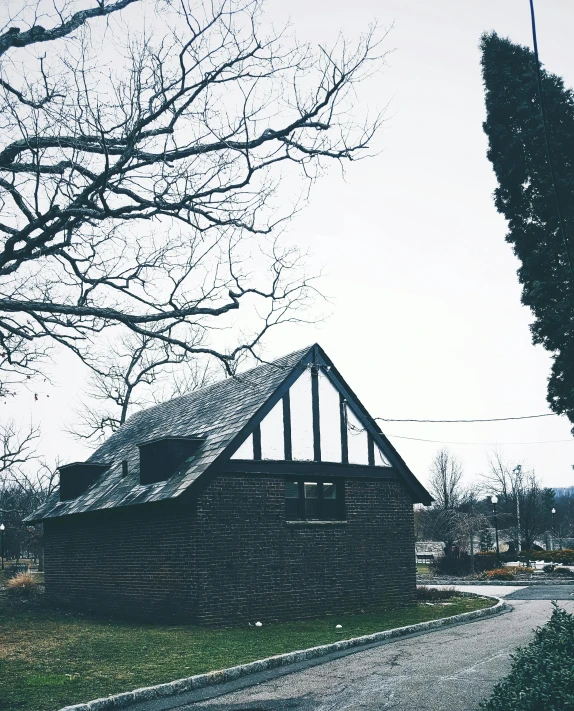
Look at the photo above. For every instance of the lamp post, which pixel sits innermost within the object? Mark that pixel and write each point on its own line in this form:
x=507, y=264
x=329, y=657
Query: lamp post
x=494, y=501
x=553, y=527
x=2, y=529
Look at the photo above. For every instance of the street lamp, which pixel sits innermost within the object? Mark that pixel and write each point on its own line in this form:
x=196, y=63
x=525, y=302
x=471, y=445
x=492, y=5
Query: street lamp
x=553, y=527
x=2, y=529
x=494, y=501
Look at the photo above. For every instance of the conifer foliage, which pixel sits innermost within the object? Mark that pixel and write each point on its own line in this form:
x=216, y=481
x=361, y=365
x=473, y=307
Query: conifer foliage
x=527, y=198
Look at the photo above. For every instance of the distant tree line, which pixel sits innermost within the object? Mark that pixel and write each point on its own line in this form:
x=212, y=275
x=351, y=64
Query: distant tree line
x=25, y=483
x=462, y=516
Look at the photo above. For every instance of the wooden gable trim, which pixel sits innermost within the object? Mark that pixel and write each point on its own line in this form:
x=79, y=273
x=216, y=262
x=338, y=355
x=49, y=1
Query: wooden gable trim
x=283, y=389
x=316, y=414
x=287, y=426
x=311, y=469
x=421, y=495
x=344, y=431
x=257, y=442
x=316, y=356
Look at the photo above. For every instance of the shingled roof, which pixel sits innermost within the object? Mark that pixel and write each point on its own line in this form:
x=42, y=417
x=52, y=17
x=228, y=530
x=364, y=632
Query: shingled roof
x=218, y=413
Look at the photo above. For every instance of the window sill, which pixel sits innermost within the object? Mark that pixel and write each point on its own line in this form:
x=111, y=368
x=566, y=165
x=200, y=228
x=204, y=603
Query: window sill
x=315, y=523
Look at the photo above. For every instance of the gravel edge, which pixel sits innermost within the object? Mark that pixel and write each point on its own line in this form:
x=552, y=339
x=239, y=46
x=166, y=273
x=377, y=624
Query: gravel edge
x=199, y=681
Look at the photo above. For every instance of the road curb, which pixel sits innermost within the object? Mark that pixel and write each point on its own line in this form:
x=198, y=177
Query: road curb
x=494, y=583
x=200, y=681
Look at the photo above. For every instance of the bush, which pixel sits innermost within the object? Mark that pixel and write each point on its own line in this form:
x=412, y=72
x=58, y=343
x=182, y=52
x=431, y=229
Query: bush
x=451, y=566
x=541, y=674
x=550, y=568
x=563, y=557
x=424, y=593
x=461, y=566
x=499, y=574
x=564, y=572
x=487, y=561
x=22, y=584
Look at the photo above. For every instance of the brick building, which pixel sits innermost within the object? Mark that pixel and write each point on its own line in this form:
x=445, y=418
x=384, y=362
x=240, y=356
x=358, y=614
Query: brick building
x=271, y=495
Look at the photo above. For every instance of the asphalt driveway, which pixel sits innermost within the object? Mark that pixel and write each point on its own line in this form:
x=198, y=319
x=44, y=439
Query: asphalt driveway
x=447, y=670
x=543, y=592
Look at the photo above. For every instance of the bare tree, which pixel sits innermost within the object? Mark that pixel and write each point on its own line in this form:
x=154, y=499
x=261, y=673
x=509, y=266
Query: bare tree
x=141, y=191
x=522, y=499
x=22, y=491
x=468, y=521
x=25, y=482
x=17, y=447
x=445, y=480
x=133, y=374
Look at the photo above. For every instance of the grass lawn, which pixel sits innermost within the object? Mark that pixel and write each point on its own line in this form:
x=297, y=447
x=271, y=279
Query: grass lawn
x=423, y=569
x=51, y=658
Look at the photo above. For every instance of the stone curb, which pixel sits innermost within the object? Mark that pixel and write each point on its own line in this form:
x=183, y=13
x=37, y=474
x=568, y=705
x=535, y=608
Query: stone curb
x=199, y=681
x=513, y=583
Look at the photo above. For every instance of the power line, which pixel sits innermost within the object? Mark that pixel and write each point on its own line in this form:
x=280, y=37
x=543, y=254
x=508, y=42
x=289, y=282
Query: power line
x=489, y=419
x=483, y=444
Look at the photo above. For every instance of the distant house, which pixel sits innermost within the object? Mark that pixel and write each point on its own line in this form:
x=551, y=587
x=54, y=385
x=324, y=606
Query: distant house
x=429, y=551
x=271, y=495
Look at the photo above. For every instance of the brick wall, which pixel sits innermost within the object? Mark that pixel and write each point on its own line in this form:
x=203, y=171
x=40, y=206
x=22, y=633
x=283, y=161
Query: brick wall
x=134, y=562
x=230, y=556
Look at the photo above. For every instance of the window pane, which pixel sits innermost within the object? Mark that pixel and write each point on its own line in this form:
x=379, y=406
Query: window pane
x=311, y=508
x=272, y=442
x=380, y=459
x=292, y=509
x=329, y=420
x=329, y=509
x=329, y=491
x=311, y=490
x=302, y=418
x=358, y=440
x=245, y=451
x=291, y=490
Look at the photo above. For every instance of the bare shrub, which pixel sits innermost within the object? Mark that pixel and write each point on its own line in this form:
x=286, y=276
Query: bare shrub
x=425, y=593
x=22, y=584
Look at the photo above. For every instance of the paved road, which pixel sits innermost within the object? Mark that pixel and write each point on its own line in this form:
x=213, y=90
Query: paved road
x=543, y=592
x=496, y=590
x=448, y=670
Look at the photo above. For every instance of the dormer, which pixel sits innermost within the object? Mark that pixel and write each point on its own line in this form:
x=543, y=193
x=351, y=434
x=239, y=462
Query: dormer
x=77, y=477
x=161, y=458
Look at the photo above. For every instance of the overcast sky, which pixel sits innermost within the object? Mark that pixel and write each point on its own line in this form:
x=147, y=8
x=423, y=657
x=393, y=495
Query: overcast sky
x=426, y=320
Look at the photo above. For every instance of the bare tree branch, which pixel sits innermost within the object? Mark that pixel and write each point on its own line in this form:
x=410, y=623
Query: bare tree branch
x=136, y=373
x=145, y=193
x=17, y=446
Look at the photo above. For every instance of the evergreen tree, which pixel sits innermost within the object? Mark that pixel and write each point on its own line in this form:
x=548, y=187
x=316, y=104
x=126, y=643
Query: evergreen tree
x=486, y=540
x=525, y=195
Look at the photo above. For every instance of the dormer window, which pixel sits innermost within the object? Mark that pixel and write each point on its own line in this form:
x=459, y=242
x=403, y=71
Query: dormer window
x=78, y=477
x=160, y=459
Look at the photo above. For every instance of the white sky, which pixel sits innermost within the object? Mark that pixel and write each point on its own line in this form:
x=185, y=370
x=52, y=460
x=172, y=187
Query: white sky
x=426, y=318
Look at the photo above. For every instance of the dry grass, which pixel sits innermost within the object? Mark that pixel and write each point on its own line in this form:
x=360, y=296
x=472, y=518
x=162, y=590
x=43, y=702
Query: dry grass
x=22, y=584
x=426, y=594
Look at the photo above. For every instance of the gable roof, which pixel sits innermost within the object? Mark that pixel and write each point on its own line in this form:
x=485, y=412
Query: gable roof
x=222, y=414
